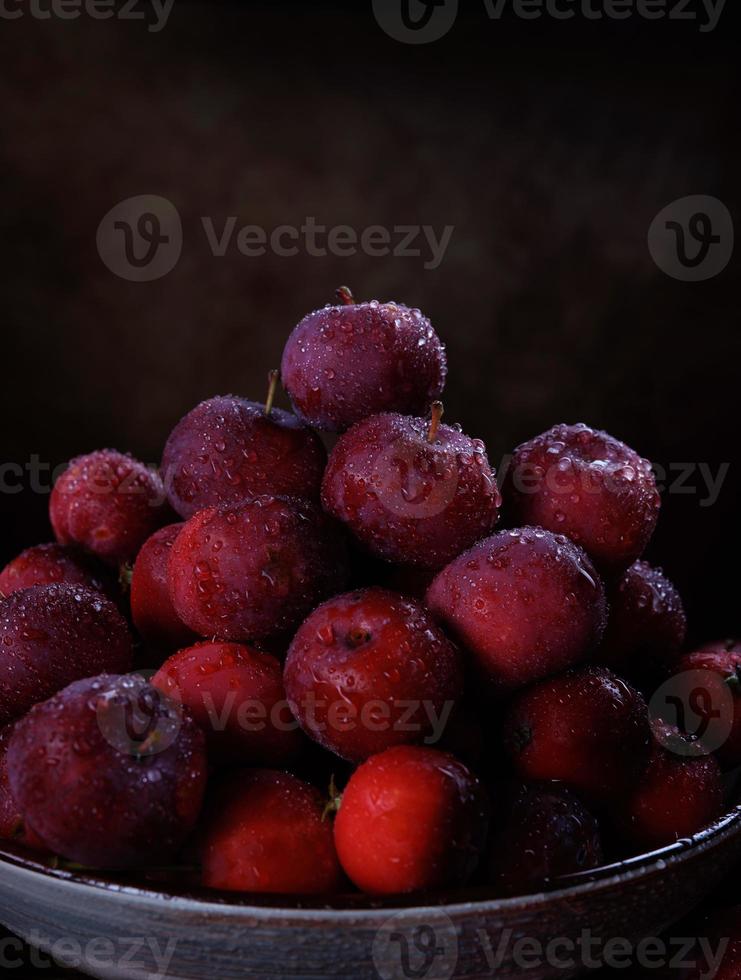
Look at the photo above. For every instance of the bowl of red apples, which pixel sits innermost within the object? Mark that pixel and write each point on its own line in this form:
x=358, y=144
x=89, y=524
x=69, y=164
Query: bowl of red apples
x=323, y=695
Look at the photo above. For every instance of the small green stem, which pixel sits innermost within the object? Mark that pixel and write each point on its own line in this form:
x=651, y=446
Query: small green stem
x=272, y=388
x=734, y=680
x=335, y=799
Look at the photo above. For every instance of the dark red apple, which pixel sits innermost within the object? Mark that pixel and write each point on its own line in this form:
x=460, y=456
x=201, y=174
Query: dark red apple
x=344, y=363
x=411, y=490
x=589, y=486
x=227, y=449
x=527, y=603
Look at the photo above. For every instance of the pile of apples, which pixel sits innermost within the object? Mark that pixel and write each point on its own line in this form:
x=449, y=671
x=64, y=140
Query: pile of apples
x=359, y=680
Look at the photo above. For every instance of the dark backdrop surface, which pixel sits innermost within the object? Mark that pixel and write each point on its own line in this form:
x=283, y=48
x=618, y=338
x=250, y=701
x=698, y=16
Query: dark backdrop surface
x=549, y=147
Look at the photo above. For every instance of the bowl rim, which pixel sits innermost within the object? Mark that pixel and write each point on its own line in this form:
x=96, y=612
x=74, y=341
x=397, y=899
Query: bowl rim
x=319, y=908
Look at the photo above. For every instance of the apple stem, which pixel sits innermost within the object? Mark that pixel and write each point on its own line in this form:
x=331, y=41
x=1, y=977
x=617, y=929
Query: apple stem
x=358, y=636
x=437, y=414
x=125, y=575
x=335, y=799
x=345, y=296
x=734, y=681
x=272, y=386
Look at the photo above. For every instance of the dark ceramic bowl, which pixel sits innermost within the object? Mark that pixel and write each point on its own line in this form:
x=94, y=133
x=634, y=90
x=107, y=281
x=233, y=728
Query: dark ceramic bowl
x=111, y=928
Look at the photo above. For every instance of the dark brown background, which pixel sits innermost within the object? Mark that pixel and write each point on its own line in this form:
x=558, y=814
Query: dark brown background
x=549, y=147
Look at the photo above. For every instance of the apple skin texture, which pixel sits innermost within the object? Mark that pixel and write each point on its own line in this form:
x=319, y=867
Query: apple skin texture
x=51, y=635
x=646, y=627
x=547, y=832
x=673, y=799
x=94, y=796
x=411, y=818
x=586, y=728
x=409, y=500
x=265, y=832
x=235, y=693
x=377, y=652
x=152, y=610
x=526, y=603
x=585, y=484
x=55, y=564
x=107, y=503
x=227, y=449
x=253, y=571
x=344, y=363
